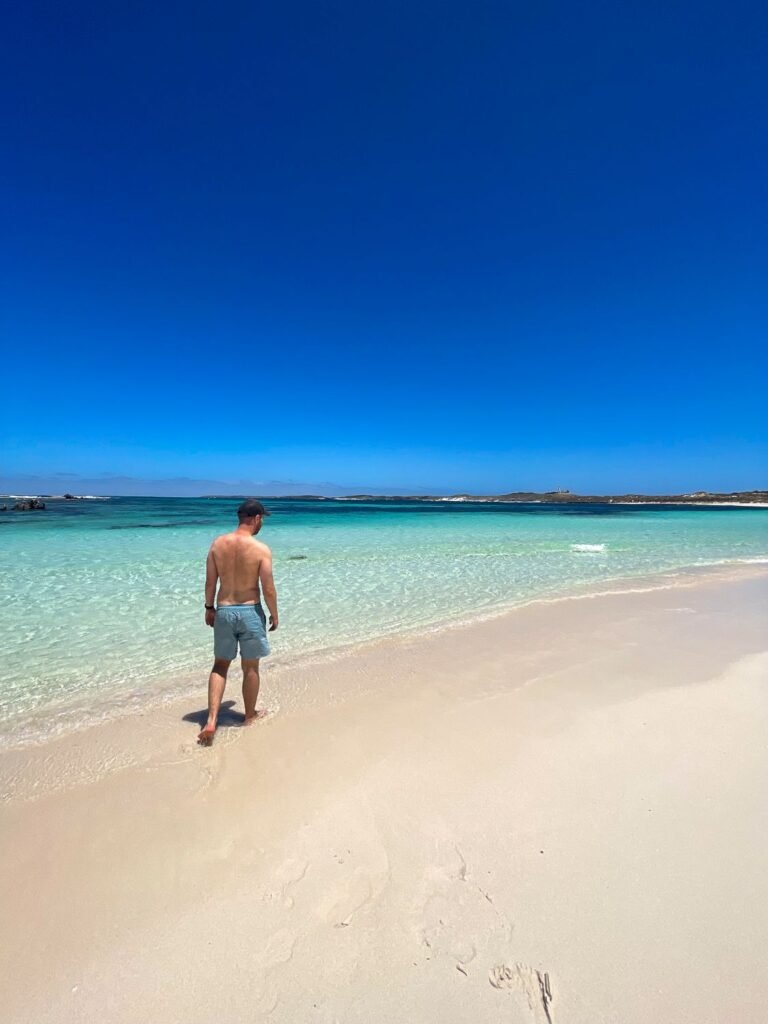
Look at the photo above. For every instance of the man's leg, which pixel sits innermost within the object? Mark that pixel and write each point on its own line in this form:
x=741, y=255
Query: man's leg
x=216, y=683
x=251, y=689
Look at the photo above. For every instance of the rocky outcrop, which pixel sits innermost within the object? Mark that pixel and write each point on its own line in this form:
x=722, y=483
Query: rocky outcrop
x=29, y=505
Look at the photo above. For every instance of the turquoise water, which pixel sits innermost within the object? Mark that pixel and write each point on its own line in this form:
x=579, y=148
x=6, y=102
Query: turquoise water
x=103, y=599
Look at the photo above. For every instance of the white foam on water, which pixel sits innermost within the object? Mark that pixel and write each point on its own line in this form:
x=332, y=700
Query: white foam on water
x=594, y=548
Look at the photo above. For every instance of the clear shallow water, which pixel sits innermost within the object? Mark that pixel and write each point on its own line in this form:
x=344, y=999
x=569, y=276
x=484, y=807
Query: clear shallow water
x=103, y=600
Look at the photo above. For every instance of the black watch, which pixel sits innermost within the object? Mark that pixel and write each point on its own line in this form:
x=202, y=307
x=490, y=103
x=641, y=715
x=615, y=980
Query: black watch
x=210, y=607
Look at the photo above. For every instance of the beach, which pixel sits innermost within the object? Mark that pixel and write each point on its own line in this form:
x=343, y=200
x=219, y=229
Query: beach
x=555, y=813
x=384, y=515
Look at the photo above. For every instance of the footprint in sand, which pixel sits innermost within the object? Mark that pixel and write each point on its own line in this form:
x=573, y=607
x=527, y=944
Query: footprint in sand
x=533, y=986
x=278, y=950
x=288, y=875
x=454, y=917
x=443, y=931
x=347, y=897
x=283, y=879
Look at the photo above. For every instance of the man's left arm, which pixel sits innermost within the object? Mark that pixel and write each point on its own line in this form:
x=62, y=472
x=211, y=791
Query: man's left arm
x=211, y=581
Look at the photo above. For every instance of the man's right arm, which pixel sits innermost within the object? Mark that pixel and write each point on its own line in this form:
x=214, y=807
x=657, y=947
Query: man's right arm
x=211, y=580
x=268, y=590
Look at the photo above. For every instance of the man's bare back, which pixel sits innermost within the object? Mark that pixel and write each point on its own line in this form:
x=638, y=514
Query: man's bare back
x=237, y=560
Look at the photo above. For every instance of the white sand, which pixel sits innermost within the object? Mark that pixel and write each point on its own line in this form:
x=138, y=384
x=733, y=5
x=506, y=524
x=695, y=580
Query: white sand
x=558, y=815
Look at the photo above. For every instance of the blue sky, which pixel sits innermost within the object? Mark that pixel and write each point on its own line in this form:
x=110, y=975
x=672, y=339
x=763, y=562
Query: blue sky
x=436, y=246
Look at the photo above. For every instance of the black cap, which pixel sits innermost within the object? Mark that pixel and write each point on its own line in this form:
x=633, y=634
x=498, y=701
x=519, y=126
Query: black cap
x=251, y=507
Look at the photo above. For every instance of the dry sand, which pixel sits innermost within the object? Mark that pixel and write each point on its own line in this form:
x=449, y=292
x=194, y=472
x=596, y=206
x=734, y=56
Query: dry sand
x=558, y=815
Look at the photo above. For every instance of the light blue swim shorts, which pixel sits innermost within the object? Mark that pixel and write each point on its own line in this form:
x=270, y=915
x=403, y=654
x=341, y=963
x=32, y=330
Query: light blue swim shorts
x=244, y=624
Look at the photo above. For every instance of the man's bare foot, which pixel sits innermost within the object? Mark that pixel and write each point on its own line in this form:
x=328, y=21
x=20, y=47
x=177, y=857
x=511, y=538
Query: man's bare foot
x=206, y=734
x=250, y=719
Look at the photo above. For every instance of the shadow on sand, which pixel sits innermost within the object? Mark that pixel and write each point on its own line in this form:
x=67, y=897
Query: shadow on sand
x=227, y=716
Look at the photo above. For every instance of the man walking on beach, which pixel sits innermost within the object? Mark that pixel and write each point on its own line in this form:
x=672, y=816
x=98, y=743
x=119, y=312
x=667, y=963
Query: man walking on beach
x=242, y=568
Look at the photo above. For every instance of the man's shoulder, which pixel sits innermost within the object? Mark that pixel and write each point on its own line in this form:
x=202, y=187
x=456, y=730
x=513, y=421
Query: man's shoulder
x=217, y=542
x=263, y=548
x=224, y=543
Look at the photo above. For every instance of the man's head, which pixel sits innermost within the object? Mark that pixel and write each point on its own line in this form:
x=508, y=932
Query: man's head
x=251, y=513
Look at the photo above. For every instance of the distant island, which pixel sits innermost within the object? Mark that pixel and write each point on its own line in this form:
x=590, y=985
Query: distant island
x=756, y=498
x=744, y=499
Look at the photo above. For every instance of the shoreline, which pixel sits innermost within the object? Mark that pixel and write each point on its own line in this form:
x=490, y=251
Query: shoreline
x=189, y=683
x=571, y=791
x=86, y=751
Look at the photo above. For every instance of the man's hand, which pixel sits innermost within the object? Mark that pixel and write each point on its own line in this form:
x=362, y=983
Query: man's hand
x=273, y=623
x=210, y=616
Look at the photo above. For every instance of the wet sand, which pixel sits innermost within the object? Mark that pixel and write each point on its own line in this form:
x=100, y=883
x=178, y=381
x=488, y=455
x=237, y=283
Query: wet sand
x=555, y=815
